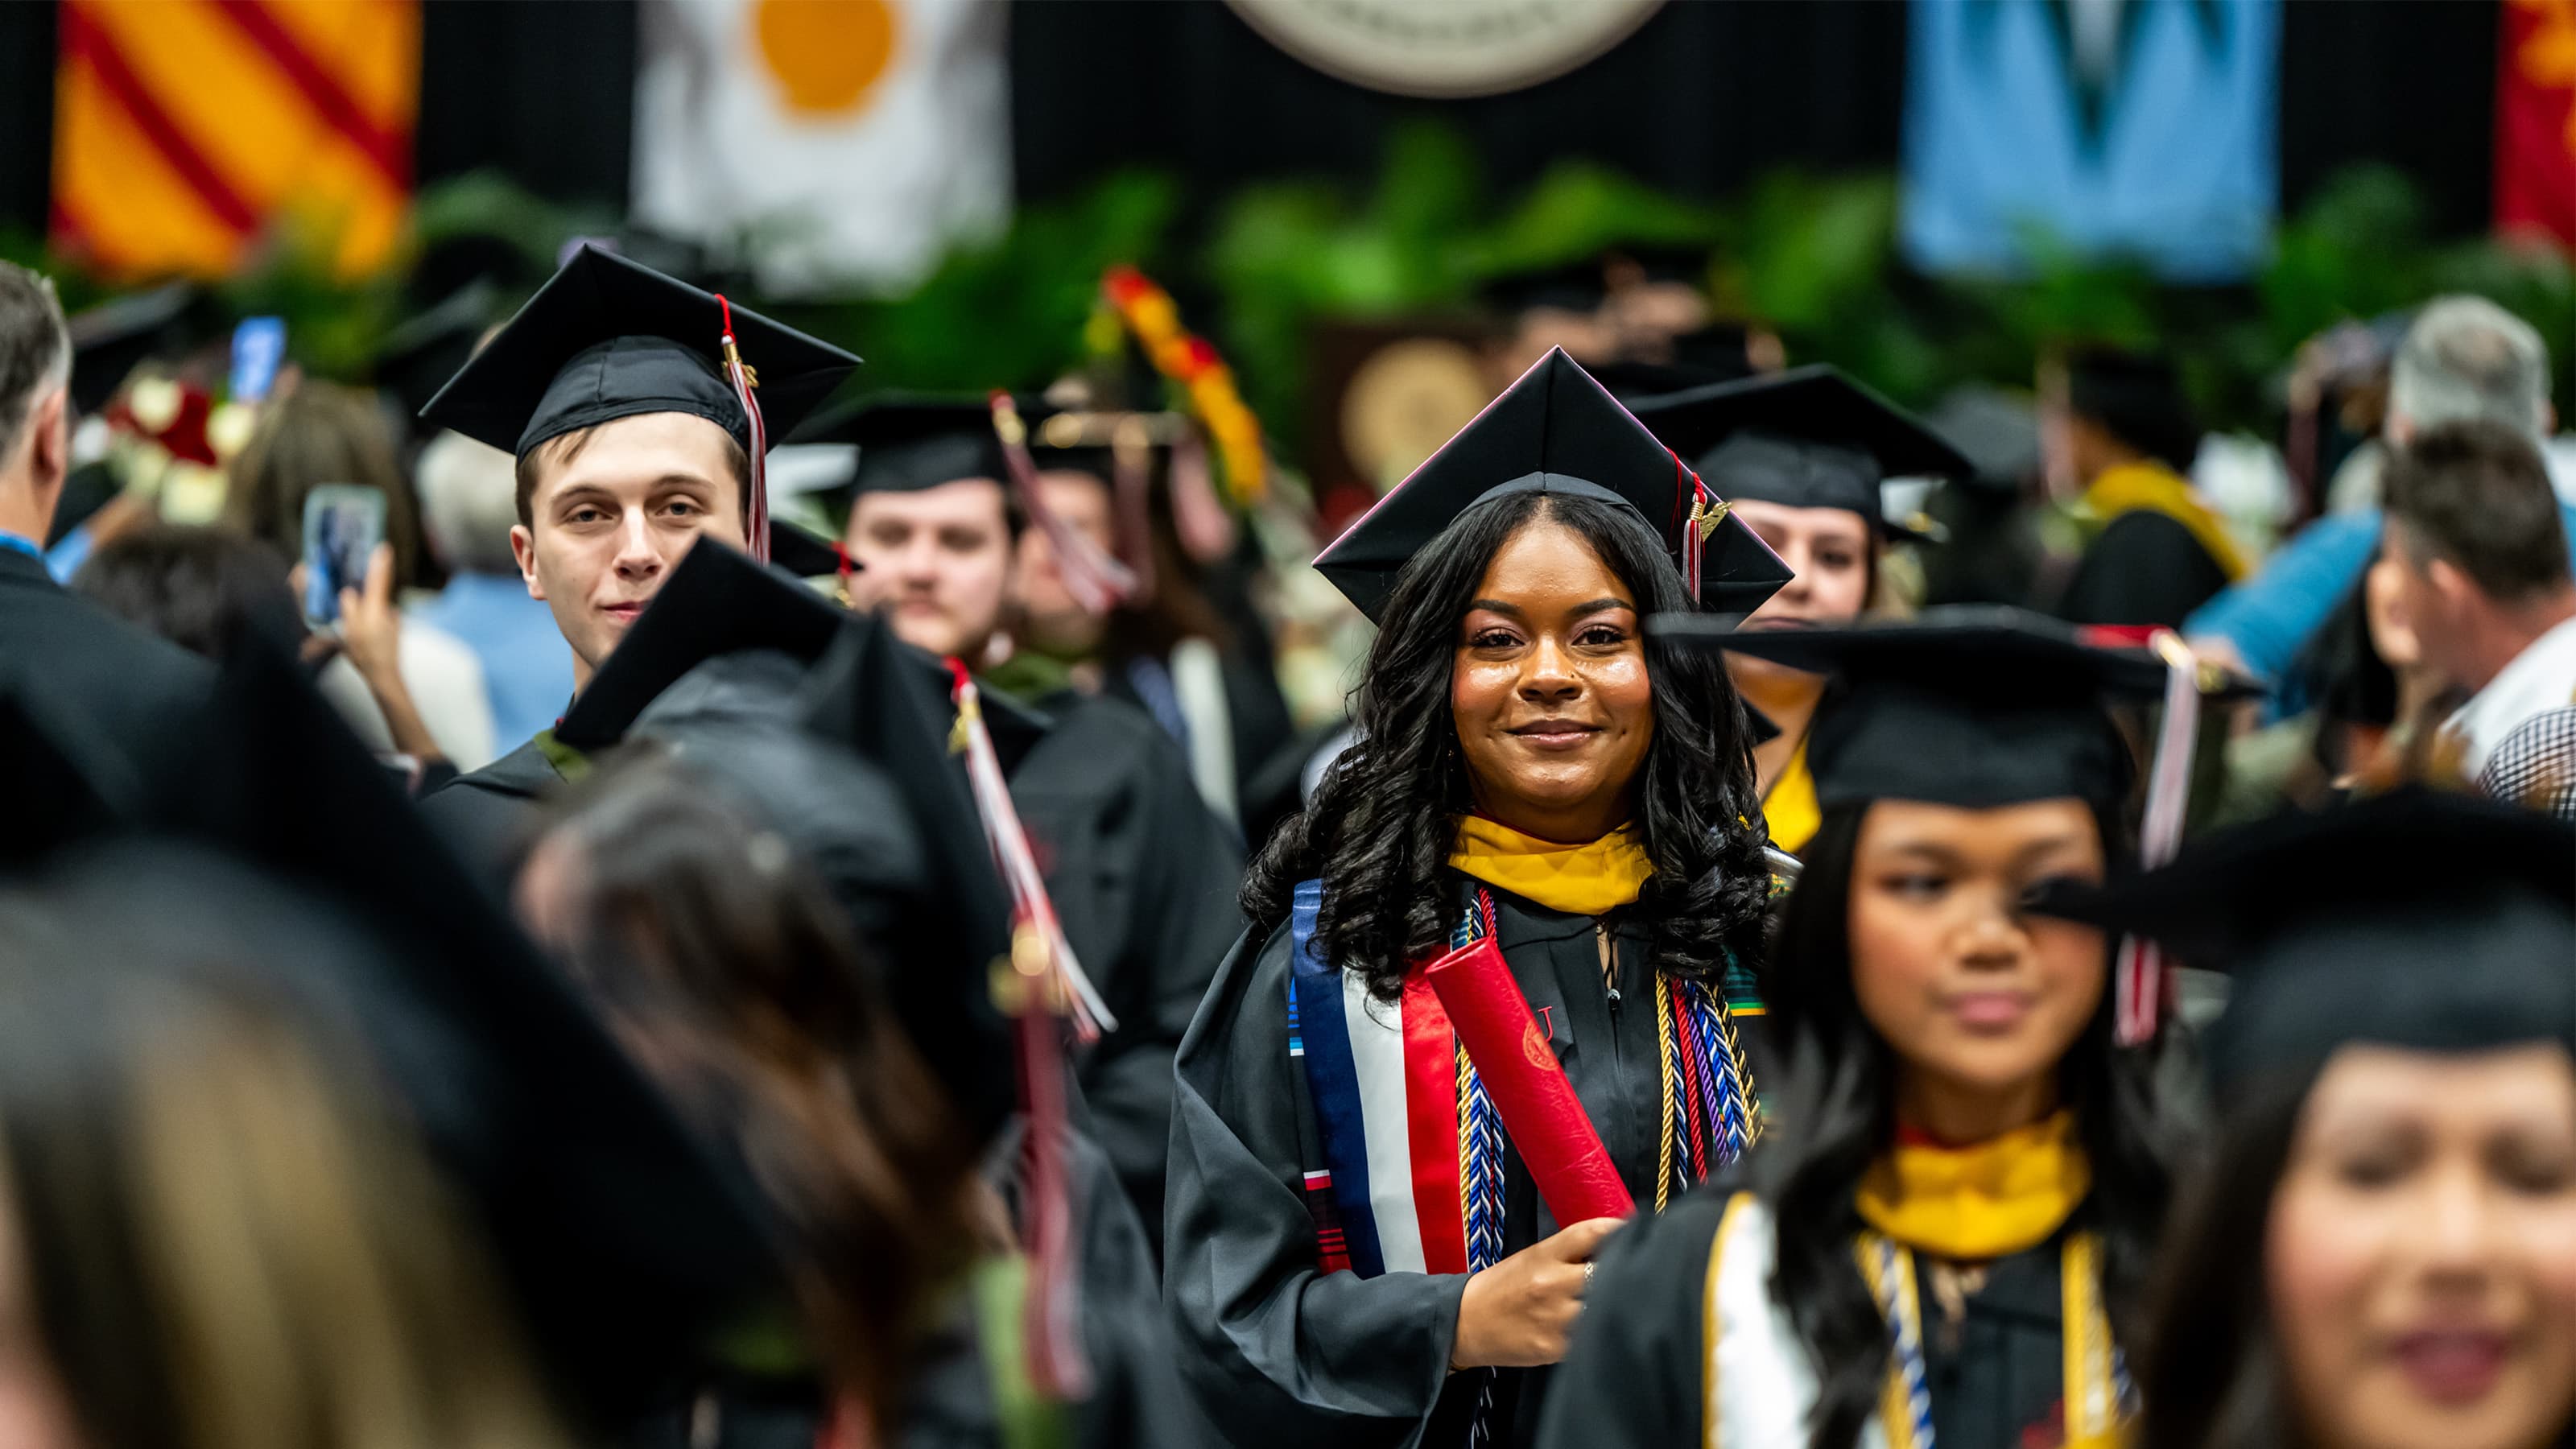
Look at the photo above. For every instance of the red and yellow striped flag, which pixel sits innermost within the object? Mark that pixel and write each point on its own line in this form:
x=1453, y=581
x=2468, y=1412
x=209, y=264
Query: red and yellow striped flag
x=183, y=128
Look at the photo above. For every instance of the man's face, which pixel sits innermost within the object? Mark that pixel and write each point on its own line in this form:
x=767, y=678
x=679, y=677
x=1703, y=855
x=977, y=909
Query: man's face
x=935, y=562
x=1049, y=614
x=612, y=521
x=2428, y=595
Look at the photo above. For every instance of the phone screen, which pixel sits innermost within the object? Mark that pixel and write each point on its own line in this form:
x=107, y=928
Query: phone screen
x=343, y=523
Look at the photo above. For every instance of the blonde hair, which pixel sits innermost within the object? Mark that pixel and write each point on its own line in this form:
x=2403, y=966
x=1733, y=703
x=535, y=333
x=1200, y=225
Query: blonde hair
x=234, y=1245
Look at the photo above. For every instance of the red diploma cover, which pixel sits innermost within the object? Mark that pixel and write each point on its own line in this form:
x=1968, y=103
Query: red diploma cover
x=1521, y=1073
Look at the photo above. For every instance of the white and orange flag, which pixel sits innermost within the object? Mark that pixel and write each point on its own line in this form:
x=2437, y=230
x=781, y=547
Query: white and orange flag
x=851, y=141
x=185, y=129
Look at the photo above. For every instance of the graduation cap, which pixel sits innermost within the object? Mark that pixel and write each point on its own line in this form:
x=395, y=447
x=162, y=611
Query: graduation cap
x=1631, y=382
x=2136, y=397
x=911, y=441
x=718, y=602
x=1807, y=438
x=1557, y=431
x=113, y=338
x=419, y=354
x=870, y=694
x=1974, y=706
x=627, y=1247
x=608, y=338
x=1981, y=707
x=1577, y=286
x=2419, y=919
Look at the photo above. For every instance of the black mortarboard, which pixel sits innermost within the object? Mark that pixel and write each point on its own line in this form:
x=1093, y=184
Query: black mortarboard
x=1576, y=286
x=1808, y=438
x=2419, y=919
x=113, y=338
x=718, y=601
x=609, y=338
x=1632, y=382
x=628, y=1248
x=1972, y=705
x=871, y=695
x=2138, y=398
x=911, y=441
x=420, y=353
x=1554, y=431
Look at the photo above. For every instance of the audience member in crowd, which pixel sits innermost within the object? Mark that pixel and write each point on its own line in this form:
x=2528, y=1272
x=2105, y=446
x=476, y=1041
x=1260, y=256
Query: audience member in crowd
x=131, y=687
x=204, y=589
x=1169, y=651
x=2484, y=583
x=2463, y=359
x=2124, y=435
x=319, y=434
x=468, y=505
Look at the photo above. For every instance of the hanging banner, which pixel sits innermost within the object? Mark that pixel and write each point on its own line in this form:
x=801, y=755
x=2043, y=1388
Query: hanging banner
x=182, y=132
x=836, y=143
x=2143, y=129
x=2535, y=158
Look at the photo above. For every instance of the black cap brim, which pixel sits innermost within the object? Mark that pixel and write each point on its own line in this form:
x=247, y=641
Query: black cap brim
x=645, y=343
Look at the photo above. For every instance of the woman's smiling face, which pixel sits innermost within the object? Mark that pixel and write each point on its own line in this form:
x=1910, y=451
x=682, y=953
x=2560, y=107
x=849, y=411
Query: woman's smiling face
x=1549, y=689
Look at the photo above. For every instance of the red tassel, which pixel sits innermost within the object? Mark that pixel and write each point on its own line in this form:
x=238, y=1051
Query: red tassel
x=756, y=474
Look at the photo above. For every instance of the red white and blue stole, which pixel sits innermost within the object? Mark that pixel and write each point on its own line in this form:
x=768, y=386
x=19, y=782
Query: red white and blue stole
x=1411, y=1179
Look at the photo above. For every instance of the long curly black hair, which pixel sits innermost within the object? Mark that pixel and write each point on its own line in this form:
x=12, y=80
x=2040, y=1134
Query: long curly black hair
x=1383, y=819
x=1837, y=1107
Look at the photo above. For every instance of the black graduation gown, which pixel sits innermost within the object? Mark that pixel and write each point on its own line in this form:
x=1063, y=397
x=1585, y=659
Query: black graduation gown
x=1144, y=879
x=1137, y=1401
x=1636, y=1372
x=485, y=815
x=136, y=690
x=2145, y=568
x=1281, y=1353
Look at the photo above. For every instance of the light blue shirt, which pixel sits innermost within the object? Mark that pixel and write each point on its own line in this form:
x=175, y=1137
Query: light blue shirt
x=2271, y=616
x=527, y=667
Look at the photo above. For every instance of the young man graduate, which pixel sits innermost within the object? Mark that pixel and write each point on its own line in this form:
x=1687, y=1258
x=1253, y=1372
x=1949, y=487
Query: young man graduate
x=1143, y=876
x=639, y=409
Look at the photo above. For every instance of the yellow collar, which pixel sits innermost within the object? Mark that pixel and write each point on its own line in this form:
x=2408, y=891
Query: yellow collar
x=1584, y=880
x=1969, y=1204
x=2154, y=488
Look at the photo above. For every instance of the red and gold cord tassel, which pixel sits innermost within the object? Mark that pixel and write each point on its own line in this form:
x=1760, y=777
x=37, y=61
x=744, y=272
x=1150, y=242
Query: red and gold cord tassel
x=2138, y=974
x=1097, y=581
x=756, y=475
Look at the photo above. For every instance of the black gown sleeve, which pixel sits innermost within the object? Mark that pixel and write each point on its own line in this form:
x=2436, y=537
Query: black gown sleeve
x=1278, y=1352
x=1633, y=1374
x=2144, y=569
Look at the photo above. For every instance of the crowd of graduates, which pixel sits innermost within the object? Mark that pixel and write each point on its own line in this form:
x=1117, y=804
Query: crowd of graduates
x=1814, y=927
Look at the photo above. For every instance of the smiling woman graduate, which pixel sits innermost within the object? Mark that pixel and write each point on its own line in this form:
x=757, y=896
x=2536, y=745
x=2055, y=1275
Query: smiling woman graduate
x=1489, y=994
x=1946, y=1240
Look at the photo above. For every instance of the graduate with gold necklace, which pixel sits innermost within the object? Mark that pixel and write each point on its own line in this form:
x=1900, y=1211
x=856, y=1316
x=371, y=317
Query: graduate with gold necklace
x=1381, y=1214
x=1943, y=1240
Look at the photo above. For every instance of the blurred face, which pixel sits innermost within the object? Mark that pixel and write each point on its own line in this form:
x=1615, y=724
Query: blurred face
x=1549, y=691
x=1977, y=998
x=2421, y=1252
x=935, y=562
x=611, y=521
x=2436, y=601
x=2384, y=599
x=1049, y=614
x=1828, y=550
